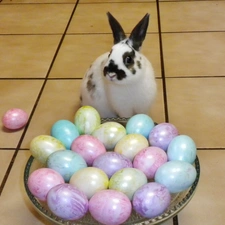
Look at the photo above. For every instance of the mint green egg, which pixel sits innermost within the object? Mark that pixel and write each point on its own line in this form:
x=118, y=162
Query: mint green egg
x=127, y=181
x=43, y=145
x=87, y=119
x=109, y=134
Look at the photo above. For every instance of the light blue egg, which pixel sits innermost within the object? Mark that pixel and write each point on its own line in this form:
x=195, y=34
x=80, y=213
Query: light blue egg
x=140, y=124
x=182, y=148
x=65, y=131
x=177, y=176
x=66, y=163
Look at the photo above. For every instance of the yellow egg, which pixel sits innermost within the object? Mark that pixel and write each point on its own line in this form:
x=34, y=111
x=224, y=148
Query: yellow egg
x=131, y=144
x=43, y=145
x=109, y=134
x=87, y=119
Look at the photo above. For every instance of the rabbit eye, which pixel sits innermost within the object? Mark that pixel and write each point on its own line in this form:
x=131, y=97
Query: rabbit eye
x=128, y=60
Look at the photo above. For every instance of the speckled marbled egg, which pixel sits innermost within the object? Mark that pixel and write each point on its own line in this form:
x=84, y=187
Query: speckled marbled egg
x=162, y=134
x=15, y=119
x=182, y=148
x=110, y=207
x=131, y=144
x=151, y=200
x=111, y=162
x=109, y=134
x=66, y=163
x=149, y=160
x=140, y=124
x=127, y=180
x=177, y=176
x=67, y=202
x=43, y=145
x=88, y=147
x=90, y=180
x=87, y=119
x=65, y=131
x=42, y=180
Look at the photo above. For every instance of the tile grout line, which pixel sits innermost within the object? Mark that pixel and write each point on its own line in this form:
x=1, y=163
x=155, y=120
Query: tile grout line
x=35, y=104
x=175, y=218
x=162, y=63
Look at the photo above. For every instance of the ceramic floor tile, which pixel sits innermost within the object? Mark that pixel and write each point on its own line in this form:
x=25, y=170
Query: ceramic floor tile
x=73, y=60
x=194, y=54
x=85, y=21
x=189, y=16
x=196, y=107
x=27, y=56
x=208, y=204
x=113, y=1
x=42, y=18
x=15, y=207
x=37, y=1
x=16, y=94
x=60, y=100
x=5, y=158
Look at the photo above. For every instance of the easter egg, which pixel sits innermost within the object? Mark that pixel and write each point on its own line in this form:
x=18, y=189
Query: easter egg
x=177, y=176
x=87, y=119
x=182, y=148
x=66, y=163
x=131, y=144
x=149, y=160
x=43, y=145
x=90, y=180
x=42, y=180
x=111, y=162
x=109, y=134
x=67, y=202
x=162, y=134
x=88, y=147
x=15, y=119
x=140, y=124
x=151, y=200
x=65, y=131
x=127, y=180
x=110, y=207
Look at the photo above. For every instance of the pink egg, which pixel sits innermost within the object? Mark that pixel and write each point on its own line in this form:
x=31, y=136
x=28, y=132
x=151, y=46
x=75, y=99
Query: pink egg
x=42, y=180
x=15, y=119
x=110, y=207
x=88, y=147
x=149, y=160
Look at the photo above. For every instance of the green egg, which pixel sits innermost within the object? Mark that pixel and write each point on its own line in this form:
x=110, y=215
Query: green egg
x=87, y=119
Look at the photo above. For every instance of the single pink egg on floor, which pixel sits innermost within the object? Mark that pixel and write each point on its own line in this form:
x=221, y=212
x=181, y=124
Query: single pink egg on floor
x=15, y=119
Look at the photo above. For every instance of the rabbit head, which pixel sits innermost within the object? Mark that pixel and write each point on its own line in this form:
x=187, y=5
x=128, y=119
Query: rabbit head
x=125, y=63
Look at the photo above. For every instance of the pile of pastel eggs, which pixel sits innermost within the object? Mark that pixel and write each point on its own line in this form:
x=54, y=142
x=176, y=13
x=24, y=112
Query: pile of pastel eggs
x=109, y=169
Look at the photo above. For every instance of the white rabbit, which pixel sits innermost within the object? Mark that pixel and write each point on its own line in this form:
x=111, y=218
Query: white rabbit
x=121, y=83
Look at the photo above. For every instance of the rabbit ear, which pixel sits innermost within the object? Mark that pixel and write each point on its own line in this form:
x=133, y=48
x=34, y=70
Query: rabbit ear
x=117, y=30
x=138, y=34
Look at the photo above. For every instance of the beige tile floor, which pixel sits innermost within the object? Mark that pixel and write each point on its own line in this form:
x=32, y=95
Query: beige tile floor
x=45, y=48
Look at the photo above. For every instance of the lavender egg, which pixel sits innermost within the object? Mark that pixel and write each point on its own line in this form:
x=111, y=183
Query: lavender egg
x=67, y=202
x=151, y=200
x=111, y=162
x=162, y=134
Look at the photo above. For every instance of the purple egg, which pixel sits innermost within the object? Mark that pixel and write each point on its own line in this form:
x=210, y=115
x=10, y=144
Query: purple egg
x=162, y=134
x=149, y=160
x=110, y=207
x=111, y=162
x=67, y=202
x=151, y=200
